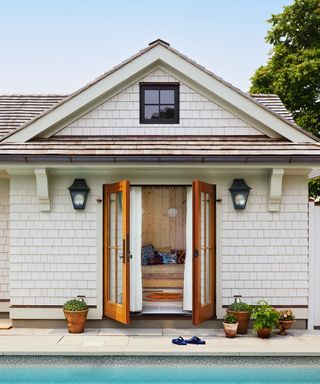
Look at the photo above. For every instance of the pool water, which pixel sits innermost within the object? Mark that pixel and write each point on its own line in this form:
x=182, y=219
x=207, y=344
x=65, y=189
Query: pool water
x=159, y=375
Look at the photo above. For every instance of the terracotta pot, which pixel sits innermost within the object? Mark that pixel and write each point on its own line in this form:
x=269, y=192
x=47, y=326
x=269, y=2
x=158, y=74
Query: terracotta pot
x=230, y=329
x=76, y=320
x=243, y=320
x=284, y=325
x=264, y=333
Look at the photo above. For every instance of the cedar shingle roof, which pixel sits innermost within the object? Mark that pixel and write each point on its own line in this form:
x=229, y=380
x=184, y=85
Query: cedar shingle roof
x=157, y=149
x=274, y=103
x=16, y=110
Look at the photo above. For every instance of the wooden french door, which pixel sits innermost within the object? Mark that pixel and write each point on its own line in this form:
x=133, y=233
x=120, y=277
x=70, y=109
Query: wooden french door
x=116, y=298
x=203, y=251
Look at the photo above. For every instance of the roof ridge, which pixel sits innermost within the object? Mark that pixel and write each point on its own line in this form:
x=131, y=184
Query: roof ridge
x=159, y=41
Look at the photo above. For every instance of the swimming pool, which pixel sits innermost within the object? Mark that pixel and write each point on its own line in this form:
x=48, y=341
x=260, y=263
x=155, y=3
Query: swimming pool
x=157, y=369
x=158, y=375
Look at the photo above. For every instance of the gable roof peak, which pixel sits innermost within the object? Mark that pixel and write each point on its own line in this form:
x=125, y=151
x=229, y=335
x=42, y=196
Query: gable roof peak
x=159, y=51
x=159, y=41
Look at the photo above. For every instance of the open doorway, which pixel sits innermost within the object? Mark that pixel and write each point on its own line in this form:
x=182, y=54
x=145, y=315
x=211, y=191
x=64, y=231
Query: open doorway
x=163, y=248
x=182, y=218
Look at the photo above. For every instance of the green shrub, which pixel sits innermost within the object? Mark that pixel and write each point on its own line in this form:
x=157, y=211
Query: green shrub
x=230, y=319
x=264, y=316
x=240, y=307
x=75, y=305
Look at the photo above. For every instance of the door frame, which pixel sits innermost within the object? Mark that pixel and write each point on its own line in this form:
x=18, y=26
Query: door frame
x=214, y=288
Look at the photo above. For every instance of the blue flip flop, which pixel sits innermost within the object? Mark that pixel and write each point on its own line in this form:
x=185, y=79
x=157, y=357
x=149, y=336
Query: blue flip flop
x=195, y=340
x=179, y=341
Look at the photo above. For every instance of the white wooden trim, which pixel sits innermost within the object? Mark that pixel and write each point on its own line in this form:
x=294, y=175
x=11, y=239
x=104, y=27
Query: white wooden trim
x=229, y=95
x=275, y=189
x=150, y=58
x=220, y=102
x=99, y=196
x=314, y=264
x=42, y=189
x=179, y=76
x=121, y=168
x=220, y=312
x=311, y=266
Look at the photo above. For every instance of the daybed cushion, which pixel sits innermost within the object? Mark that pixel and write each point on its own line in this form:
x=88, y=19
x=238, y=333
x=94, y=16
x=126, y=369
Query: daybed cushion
x=152, y=256
x=163, y=276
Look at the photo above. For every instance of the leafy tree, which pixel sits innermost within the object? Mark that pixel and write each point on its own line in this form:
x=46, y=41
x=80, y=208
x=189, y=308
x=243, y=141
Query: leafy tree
x=314, y=188
x=293, y=68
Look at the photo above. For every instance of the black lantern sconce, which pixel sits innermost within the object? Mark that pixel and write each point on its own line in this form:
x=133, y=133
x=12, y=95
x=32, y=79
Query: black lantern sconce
x=239, y=192
x=79, y=192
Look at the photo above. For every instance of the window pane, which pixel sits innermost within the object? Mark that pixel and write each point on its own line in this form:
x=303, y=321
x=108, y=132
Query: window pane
x=151, y=112
x=166, y=96
x=167, y=112
x=151, y=96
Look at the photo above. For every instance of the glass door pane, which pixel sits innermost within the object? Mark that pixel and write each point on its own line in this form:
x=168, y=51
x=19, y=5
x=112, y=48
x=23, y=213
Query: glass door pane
x=203, y=251
x=115, y=247
x=116, y=251
x=205, y=292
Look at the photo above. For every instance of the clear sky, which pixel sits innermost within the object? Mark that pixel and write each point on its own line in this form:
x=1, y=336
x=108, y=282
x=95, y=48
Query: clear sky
x=57, y=46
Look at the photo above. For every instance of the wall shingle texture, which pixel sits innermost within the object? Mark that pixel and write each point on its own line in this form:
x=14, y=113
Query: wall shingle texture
x=265, y=254
x=53, y=255
x=120, y=115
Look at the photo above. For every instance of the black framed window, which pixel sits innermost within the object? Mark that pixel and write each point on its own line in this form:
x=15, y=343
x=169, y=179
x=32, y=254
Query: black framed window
x=159, y=103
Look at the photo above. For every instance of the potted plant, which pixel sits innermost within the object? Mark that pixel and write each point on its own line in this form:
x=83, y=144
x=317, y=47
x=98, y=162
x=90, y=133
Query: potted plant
x=265, y=318
x=286, y=319
x=241, y=311
x=230, y=325
x=76, y=312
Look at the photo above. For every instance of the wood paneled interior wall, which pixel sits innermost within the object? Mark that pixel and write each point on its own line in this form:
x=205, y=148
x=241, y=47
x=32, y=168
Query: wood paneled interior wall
x=157, y=227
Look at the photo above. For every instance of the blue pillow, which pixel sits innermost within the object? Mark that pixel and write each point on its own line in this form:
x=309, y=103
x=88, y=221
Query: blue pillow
x=147, y=254
x=168, y=258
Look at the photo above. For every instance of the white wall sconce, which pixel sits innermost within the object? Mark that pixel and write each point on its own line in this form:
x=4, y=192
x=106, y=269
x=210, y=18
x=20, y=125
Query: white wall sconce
x=79, y=192
x=239, y=193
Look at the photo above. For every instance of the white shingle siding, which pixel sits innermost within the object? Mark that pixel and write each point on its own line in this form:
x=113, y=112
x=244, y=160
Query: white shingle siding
x=120, y=115
x=53, y=255
x=265, y=254
x=4, y=239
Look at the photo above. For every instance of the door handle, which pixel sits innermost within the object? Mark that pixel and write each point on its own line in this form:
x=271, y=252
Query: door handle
x=124, y=250
x=195, y=253
x=129, y=256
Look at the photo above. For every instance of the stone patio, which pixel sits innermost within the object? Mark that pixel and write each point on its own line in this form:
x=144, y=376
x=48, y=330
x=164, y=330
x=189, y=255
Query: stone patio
x=33, y=341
